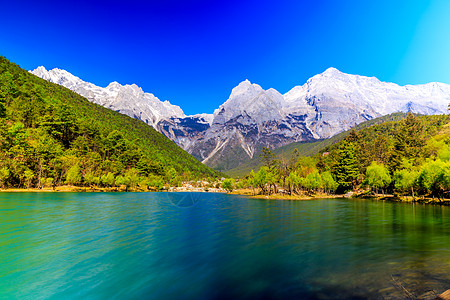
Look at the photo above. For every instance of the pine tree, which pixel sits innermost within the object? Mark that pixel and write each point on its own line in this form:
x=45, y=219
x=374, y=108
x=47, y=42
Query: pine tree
x=268, y=158
x=346, y=170
x=409, y=142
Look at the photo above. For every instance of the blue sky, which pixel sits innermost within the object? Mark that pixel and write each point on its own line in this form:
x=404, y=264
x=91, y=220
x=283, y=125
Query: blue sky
x=194, y=52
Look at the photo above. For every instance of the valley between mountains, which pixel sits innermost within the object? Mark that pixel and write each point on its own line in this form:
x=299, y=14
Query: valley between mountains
x=253, y=118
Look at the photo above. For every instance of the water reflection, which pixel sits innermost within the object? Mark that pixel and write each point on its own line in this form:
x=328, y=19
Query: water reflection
x=182, y=200
x=142, y=245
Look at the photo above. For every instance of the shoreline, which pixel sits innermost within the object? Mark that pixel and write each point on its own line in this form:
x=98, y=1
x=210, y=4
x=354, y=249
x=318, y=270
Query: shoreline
x=278, y=196
x=318, y=196
x=62, y=189
x=242, y=192
x=77, y=189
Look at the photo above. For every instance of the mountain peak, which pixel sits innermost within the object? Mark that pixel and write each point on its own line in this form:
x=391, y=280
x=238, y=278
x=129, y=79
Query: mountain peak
x=40, y=69
x=332, y=72
x=245, y=83
x=114, y=84
x=58, y=76
x=244, y=87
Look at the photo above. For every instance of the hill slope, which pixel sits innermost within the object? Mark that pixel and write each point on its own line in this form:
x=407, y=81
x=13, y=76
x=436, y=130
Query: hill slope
x=310, y=148
x=49, y=131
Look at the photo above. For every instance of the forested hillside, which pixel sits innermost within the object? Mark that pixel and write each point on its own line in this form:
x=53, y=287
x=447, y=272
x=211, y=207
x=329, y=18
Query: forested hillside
x=406, y=157
x=309, y=148
x=51, y=136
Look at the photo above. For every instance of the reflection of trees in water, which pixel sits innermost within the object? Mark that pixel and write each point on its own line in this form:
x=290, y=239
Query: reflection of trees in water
x=411, y=240
x=183, y=200
x=415, y=230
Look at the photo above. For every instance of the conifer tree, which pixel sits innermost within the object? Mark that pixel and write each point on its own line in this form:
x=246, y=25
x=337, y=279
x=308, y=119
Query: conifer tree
x=346, y=170
x=268, y=158
x=409, y=141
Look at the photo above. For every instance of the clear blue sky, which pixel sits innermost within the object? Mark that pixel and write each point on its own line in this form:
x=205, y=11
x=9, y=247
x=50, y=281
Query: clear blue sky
x=194, y=52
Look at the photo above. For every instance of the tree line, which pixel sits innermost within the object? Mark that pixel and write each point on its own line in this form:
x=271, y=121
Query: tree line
x=407, y=157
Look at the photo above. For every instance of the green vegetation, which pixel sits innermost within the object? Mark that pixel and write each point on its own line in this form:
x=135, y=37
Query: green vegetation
x=309, y=148
x=228, y=184
x=298, y=176
x=51, y=136
x=377, y=176
x=406, y=157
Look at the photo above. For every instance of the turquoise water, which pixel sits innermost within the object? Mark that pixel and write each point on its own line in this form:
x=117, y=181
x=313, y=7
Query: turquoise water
x=213, y=246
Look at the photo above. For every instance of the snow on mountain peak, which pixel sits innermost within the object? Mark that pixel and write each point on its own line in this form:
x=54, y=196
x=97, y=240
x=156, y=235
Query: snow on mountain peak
x=331, y=72
x=203, y=118
x=251, y=102
x=114, y=85
x=40, y=70
x=128, y=99
x=245, y=87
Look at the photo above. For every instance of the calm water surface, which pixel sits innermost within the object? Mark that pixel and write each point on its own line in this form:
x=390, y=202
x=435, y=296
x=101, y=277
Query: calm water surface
x=213, y=246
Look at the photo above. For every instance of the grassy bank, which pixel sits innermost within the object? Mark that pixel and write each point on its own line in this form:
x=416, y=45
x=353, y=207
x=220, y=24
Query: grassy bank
x=278, y=196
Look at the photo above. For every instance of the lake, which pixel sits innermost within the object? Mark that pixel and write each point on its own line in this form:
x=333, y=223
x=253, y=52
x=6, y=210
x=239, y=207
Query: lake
x=214, y=246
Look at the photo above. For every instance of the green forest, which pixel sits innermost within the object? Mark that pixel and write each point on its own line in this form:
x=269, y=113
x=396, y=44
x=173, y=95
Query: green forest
x=51, y=136
x=406, y=157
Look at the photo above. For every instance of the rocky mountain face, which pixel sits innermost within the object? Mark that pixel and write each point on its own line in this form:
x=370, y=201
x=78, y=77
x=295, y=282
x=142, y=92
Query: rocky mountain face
x=126, y=99
x=252, y=117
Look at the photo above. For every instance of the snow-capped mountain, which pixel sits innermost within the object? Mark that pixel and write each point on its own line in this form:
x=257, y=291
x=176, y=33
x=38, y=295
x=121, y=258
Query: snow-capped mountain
x=252, y=117
x=127, y=99
x=335, y=101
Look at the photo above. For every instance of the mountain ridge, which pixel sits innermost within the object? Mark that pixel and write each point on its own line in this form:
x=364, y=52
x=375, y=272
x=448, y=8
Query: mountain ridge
x=252, y=118
x=112, y=96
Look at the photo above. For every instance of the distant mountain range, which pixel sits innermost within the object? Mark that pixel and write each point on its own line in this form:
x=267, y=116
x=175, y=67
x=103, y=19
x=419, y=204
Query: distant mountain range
x=252, y=118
